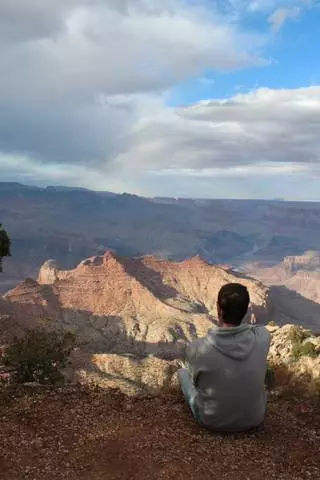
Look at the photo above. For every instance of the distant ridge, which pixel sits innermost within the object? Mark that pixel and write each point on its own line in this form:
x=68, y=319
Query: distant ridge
x=71, y=223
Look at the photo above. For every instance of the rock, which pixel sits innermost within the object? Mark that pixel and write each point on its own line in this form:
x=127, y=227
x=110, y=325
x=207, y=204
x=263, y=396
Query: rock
x=293, y=370
x=298, y=273
x=150, y=374
x=133, y=376
x=48, y=273
x=283, y=342
x=131, y=305
x=133, y=317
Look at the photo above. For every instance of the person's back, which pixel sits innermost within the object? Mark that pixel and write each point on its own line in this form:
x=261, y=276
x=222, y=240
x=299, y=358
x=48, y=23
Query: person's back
x=224, y=383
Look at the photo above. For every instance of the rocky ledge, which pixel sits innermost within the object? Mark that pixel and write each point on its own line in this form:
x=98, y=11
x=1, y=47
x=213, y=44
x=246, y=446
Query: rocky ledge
x=294, y=365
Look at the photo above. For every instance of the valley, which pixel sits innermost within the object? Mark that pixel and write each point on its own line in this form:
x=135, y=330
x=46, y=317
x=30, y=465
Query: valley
x=68, y=225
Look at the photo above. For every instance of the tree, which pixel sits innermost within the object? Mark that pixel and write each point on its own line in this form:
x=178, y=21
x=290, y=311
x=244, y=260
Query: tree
x=5, y=245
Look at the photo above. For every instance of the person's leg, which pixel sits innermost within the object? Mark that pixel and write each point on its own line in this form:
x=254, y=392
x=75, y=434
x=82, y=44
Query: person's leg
x=188, y=389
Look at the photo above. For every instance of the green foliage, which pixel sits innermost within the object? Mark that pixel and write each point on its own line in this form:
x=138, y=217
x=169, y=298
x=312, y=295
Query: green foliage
x=300, y=348
x=307, y=349
x=272, y=323
x=297, y=335
x=39, y=356
x=5, y=244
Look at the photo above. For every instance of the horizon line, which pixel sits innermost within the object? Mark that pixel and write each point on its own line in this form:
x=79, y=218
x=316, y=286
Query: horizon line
x=156, y=197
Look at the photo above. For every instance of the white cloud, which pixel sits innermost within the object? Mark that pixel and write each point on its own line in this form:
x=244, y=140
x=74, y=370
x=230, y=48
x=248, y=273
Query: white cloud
x=270, y=134
x=271, y=5
x=262, y=169
x=261, y=127
x=281, y=15
x=276, y=12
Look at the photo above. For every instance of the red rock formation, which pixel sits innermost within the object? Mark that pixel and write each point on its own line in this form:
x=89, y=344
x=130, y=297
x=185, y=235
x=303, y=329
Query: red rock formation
x=298, y=273
x=130, y=304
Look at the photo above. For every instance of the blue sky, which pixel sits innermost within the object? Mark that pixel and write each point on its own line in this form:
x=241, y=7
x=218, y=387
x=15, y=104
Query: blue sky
x=293, y=53
x=196, y=98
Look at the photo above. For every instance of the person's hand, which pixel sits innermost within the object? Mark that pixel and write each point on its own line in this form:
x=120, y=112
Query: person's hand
x=182, y=364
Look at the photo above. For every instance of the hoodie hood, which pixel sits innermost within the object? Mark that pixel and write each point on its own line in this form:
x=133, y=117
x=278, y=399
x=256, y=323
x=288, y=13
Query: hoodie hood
x=234, y=342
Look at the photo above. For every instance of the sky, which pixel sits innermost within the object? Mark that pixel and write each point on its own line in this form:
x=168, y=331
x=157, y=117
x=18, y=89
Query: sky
x=180, y=98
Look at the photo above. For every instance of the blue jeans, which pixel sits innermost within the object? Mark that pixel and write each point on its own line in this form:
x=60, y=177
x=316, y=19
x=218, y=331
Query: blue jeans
x=188, y=389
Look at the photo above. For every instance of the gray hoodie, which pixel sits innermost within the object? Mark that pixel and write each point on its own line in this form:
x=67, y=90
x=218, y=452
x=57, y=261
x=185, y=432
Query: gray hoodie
x=228, y=368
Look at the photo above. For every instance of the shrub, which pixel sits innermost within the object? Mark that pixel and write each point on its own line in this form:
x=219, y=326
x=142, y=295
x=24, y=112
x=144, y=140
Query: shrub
x=272, y=323
x=300, y=349
x=307, y=349
x=5, y=245
x=297, y=335
x=39, y=356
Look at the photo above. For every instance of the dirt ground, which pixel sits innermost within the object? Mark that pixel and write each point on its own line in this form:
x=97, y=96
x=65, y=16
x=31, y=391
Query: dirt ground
x=76, y=434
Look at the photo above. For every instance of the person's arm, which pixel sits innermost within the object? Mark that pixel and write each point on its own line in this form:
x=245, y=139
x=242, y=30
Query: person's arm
x=193, y=359
x=264, y=336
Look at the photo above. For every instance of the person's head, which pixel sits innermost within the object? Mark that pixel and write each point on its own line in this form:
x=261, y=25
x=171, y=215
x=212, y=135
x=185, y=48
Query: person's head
x=233, y=302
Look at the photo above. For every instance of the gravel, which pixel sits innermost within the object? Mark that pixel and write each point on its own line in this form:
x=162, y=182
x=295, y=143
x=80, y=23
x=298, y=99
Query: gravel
x=79, y=434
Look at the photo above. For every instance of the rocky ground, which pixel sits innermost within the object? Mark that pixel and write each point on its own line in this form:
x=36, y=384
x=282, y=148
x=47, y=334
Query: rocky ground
x=79, y=434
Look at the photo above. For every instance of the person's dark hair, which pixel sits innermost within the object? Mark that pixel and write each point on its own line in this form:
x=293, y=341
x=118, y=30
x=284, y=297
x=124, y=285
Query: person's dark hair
x=233, y=300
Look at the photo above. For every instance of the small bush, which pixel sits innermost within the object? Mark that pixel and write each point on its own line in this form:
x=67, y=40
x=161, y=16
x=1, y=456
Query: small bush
x=39, y=356
x=272, y=323
x=304, y=350
x=297, y=335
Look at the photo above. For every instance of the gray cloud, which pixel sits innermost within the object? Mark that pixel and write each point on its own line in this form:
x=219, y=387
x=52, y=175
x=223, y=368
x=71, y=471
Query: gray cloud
x=25, y=20
x=261, y=127
x=62, y=60
x=262, y=133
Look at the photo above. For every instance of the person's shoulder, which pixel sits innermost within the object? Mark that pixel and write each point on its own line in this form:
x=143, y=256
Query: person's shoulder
x=198, y=347
x=258, y=326
x=262, y=332
x=198, y=343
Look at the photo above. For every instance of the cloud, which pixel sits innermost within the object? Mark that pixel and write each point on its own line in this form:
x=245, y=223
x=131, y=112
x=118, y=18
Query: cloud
x=261, y=127
x=61, y=61
x=271, y=5
x=262, y=134
x=281, y=15
x=83, y=90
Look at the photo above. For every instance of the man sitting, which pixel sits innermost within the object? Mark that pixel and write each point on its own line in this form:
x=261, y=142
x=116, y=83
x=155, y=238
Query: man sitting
x=224, y=382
